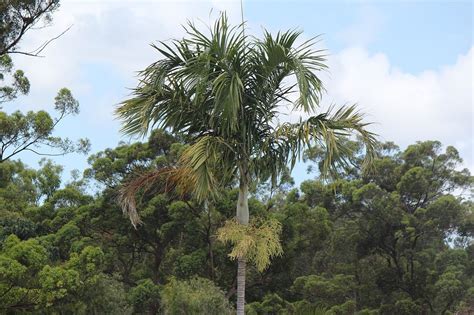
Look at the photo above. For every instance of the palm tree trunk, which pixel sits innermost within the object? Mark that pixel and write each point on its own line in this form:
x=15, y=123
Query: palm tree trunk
x=242, y=218
x=209, y=240
x=241, y=264
x=243, y=204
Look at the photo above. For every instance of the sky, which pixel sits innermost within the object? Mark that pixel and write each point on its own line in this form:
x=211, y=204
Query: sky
x=407, y=64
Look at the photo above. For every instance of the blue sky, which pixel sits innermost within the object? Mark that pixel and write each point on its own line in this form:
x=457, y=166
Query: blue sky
x=415, y=35
x=408, y=64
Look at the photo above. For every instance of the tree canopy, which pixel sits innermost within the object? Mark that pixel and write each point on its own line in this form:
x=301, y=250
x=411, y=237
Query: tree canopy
x=33, y=131
x=362, y=244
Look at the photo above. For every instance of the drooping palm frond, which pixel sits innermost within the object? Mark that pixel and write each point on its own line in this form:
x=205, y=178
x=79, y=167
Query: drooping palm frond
x=208, y=163
x=276, y=59
x=197, y=86
x=161, y=180
x=202, y=168
x=328, y=130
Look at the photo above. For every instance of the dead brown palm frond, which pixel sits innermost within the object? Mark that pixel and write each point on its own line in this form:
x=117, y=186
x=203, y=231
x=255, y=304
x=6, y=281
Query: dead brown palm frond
x=162, y=180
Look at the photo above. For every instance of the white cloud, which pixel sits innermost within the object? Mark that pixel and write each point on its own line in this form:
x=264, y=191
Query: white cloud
x=404, y=107
x=433, y=105
x=113, y=33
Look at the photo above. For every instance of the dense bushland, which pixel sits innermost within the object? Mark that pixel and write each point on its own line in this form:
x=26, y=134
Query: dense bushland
x=396, y=240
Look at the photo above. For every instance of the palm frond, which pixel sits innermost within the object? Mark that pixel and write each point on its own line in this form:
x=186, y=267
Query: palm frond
x=277, y=58
x=209, y=164
x=224, y=90
x=328, y=130
x=162, y=180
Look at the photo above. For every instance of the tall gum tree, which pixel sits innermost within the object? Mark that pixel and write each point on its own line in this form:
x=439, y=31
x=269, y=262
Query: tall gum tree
x=223, y=90
x=33, y=131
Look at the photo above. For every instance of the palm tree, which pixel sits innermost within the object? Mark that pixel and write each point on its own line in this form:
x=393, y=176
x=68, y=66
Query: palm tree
x=224, y=90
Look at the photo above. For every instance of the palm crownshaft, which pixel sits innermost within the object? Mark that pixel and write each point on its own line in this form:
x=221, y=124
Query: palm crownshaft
x=224, y=91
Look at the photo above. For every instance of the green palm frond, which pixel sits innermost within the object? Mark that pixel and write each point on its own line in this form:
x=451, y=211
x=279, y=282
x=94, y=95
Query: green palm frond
x=208, y=163
x=225, y=90
x=277, y=58
x=328, y=130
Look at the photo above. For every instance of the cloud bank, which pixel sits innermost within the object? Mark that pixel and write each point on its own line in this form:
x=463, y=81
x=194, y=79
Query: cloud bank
x=436, y=104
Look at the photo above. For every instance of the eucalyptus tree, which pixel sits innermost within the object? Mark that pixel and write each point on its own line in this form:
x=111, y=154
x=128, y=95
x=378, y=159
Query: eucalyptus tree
x=34, y=131
x=224, y=90
x=31, y=131
x=18, y=17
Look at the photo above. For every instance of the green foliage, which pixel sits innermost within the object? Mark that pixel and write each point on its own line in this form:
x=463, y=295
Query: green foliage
x=195, y=296
x=21, y=227
x=188, y=265
x=11, y=271
x=402, y=306
x=325, y=291
x=274, y=304
x=57, y=283
x=29, y=253
x=65, y=103
x=145, y=296
x=20, y=81
x=348, y=307
x=34, y=130
x=19, y=16
x=449, y=287
x=271, y=304
x=361, y=244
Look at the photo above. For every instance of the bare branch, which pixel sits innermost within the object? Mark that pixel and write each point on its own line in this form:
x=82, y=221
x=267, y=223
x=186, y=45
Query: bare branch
x=27, y=22
x=36, y=52
x=46, y=154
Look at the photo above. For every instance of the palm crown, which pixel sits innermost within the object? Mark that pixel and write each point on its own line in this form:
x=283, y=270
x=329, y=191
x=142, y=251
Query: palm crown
x=225, y=90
